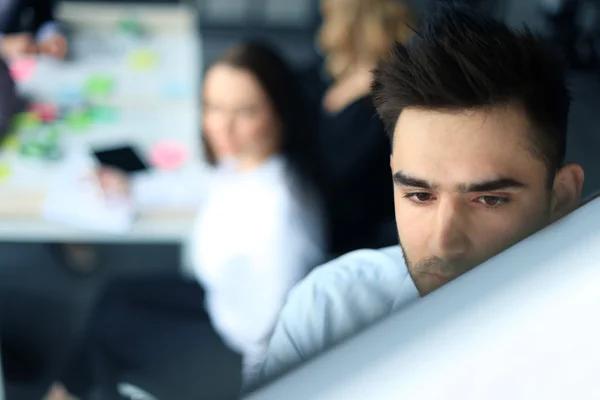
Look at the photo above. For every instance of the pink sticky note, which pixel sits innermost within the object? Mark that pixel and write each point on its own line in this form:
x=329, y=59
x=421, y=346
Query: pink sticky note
x=168, y=155
x=45, y=111
x=22, y=69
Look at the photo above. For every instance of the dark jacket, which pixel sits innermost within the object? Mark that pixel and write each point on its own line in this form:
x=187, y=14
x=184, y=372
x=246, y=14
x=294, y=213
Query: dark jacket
x=355, y=156
x=10, y=102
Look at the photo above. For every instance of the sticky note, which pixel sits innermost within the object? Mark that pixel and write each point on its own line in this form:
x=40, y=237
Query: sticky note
x=143, y=60
x=40, y=150
x=104, y=114
x=79, y=121
x=52, y=135
x=168, y=155
x=32, y=150
x=99, y=86
x=132, y=27
x=5, y=171
x=11, y=143
x=45, y=112
x=26, y=121
x=52, y=152
x=23, y=69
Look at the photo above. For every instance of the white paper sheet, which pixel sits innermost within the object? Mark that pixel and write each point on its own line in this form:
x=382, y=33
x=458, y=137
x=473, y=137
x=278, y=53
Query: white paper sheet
x=76, y=199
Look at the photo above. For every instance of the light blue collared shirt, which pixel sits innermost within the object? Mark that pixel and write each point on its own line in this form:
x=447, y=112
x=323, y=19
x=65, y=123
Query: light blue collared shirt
x=334, y=302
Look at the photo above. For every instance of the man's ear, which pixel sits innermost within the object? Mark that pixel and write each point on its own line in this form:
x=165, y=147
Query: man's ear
x=392, y=168
x=566, y=190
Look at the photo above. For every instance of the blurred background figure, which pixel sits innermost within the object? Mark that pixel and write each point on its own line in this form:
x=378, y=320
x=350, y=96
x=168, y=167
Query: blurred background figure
x=10, y=101
x=353, y=144
x=262, y=230
x=259, y=229
x=28, y=27
x=574, y=25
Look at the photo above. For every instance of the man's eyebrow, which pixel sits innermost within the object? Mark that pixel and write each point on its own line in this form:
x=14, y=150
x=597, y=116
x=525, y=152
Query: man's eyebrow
x=401, y=179
x=492, y=185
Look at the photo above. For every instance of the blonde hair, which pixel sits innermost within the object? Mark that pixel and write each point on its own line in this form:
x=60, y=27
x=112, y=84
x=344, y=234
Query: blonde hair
x=361, y=31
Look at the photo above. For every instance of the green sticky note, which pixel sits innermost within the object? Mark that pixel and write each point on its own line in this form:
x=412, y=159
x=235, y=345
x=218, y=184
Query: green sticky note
x=5, y=171
x=99, y=86
x=26, y=121
x=104, y=114
x=132, y=27
x=52, y=152
x=143, y=60
x=50, y=136
x=53, y=135
x=40, y=150
x=32, y=150
x=11, y=142
x=79, y=121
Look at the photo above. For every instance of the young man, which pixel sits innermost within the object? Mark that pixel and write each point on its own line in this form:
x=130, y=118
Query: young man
x=477, y=114
x=28, y=27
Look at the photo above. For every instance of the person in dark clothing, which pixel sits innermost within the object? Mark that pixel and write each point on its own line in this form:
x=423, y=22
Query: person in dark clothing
x=150, y=333
x=28, y=27
x=10, y=102
x=354, y=148
x=360, y=198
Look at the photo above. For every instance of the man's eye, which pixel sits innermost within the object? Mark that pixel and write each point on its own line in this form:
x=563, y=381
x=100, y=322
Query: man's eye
x=419, y=198
x=492, y=201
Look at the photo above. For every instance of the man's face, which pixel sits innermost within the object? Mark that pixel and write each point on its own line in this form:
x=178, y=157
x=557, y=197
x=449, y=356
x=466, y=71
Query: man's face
x=466, y=188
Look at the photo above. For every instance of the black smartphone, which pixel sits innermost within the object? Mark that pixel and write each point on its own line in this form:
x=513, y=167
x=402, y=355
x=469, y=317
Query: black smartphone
x=123, y=158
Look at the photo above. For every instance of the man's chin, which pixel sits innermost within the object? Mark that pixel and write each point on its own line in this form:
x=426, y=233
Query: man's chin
x=428, y=282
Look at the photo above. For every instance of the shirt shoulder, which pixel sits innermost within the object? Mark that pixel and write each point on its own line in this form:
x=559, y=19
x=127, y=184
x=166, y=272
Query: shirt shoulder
x=362, y=267
x=336, y=301
x=352, y=291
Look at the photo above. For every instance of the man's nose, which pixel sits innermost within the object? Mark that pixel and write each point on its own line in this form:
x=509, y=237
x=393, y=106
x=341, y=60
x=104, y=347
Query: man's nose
x=449, y=238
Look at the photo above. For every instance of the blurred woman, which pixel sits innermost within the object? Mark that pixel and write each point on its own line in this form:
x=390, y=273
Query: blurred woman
x=354, y=35
x=259, y=229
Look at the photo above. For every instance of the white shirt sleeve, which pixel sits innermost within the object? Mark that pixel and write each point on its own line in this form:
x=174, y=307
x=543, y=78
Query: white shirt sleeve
x=185, y=188
x=244, y=295
x=276, y=269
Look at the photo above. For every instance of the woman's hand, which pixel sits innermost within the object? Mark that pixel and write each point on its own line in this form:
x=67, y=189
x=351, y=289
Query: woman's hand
x=114, y=182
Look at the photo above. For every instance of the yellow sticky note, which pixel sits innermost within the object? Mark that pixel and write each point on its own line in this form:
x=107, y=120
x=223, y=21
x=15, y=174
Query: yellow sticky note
x=4, y=171
x=143, y=60
x=11, y=143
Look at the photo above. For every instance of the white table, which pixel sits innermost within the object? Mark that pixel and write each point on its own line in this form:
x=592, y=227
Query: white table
x=149, y=110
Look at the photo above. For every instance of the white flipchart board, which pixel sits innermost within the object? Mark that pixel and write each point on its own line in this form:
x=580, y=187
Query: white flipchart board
x=524, y=325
